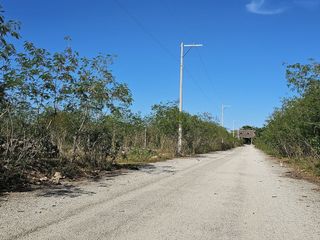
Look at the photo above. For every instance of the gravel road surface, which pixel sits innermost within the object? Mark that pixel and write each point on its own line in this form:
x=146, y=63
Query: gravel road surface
x=237, y=194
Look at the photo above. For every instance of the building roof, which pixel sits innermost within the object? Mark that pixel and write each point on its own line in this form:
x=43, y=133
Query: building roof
x=246, y=133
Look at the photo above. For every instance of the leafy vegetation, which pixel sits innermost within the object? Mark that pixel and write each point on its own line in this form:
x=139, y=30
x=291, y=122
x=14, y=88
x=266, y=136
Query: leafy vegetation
x=63, y=112
x=293, y=131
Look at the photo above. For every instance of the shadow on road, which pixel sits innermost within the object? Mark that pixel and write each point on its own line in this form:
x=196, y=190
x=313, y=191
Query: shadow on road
x=67, y=189
x=158, y=169
x=64, y=190
x=3, y=197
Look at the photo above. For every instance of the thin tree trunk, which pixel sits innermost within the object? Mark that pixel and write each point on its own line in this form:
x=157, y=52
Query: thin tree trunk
x=76, y=137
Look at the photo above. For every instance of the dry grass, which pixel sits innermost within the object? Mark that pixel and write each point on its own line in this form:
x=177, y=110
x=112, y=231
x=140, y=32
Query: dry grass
x=299, y=169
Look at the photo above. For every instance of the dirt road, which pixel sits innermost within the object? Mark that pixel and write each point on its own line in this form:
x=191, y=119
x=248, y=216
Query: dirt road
x=238, y=194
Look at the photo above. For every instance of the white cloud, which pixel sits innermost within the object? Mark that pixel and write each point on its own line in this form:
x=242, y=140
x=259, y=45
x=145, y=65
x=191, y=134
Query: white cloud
x=256, y=6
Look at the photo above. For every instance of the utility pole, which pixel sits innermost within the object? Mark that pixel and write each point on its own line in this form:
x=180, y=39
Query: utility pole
x=233, y=129
x=222, y=116
x=182, y=55
x=222, y=113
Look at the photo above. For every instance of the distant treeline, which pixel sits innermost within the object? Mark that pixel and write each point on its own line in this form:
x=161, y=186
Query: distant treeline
x=67, y=113
x=293, y=131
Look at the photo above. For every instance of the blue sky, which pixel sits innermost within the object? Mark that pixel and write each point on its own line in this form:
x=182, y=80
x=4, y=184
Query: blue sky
x=245, y=42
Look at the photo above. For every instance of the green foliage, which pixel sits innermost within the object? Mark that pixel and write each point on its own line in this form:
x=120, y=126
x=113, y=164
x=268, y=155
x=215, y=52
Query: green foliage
x=67, y=113
x=247, y=127
x=293, y=130
x=8, y=30
x=139, y=155
x=200, y=133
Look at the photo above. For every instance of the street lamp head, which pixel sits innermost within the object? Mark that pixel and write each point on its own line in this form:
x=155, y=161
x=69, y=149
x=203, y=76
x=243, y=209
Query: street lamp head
x=193, y=45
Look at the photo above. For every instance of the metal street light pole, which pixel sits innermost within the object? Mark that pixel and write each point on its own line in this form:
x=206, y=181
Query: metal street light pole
x=222, y=113
x=222, y=116
x=222, y=107
x=182, y=55
x=233, y=129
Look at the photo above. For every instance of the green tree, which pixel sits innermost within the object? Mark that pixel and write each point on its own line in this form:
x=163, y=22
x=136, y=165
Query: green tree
x=294, y=129
x=8, y=30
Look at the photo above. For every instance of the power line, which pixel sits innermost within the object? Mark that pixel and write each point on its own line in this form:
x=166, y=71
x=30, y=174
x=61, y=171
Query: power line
x=197, y=84
x=158, y=42
x=176, y=16
x=205, y=70
x=145, y=30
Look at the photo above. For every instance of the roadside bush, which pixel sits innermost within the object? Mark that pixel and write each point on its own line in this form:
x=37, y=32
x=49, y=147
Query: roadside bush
x=140, y=155
x=63, y=112
x=293, y=131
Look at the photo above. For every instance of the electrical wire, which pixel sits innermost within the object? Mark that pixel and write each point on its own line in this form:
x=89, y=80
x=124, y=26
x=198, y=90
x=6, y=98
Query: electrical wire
x=186, y=32
x=196, y=83
x=205, y=70
x=159, y=43
x=145, y=30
